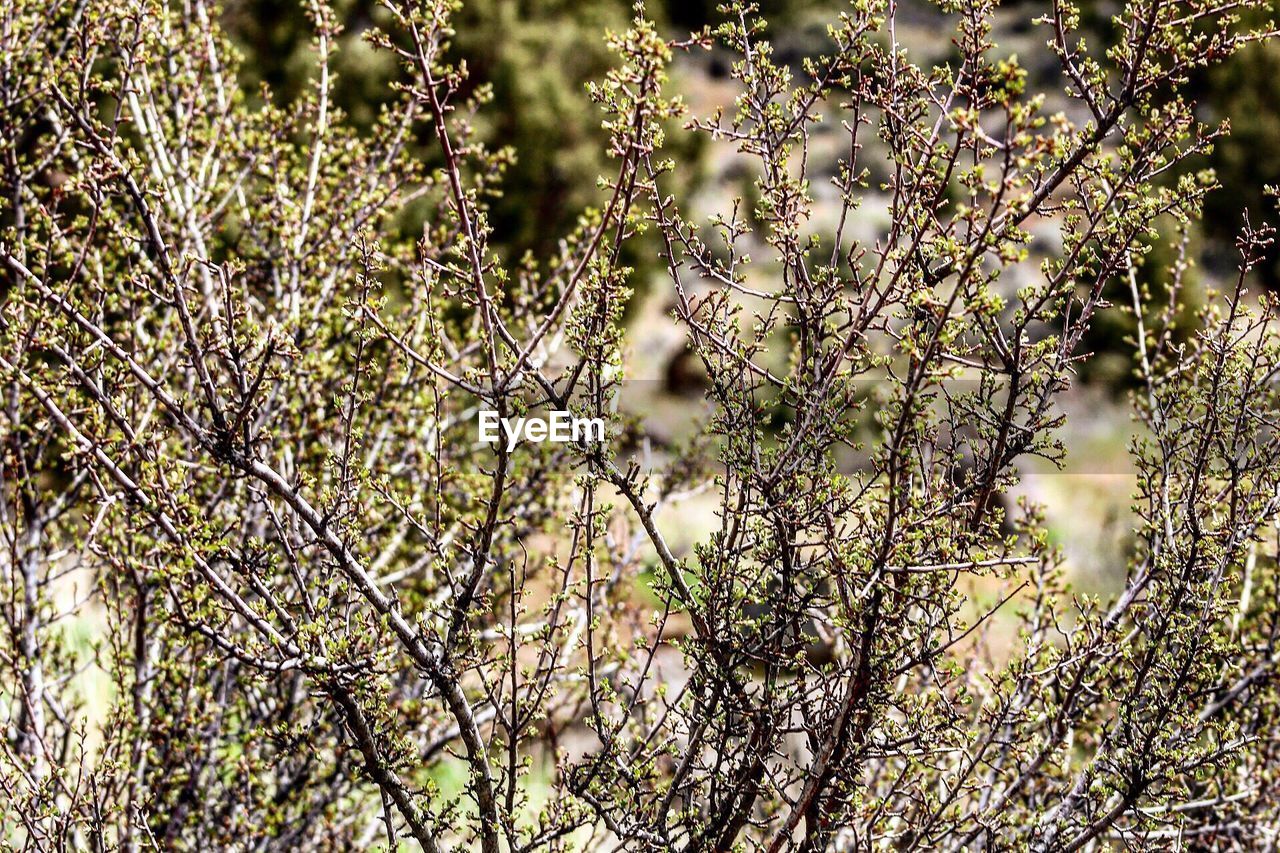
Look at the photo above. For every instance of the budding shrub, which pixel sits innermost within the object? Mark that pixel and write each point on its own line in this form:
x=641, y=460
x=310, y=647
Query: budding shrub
x=262, y=588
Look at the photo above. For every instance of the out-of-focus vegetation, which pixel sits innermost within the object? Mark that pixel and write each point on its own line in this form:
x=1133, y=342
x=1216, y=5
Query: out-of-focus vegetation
x=1248, y=90
x=537, y=56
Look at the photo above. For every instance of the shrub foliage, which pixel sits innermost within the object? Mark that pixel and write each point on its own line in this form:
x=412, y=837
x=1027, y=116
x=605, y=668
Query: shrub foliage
x=262, y=588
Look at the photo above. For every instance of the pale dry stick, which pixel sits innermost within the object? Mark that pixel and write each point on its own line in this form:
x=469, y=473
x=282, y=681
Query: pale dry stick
x=194, y=347
x=313, y=169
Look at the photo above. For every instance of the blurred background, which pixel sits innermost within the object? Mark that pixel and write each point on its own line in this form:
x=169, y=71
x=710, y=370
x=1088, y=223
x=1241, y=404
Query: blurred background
x=538, y=56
